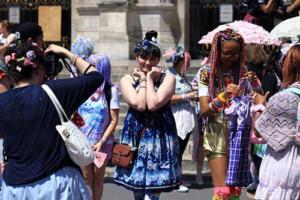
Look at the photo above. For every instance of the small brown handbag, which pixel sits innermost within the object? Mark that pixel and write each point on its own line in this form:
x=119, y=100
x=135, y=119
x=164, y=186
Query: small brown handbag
x=122, y=155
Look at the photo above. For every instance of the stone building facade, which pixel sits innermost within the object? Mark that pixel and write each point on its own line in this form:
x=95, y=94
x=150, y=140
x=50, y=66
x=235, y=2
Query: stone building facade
x=116, y=25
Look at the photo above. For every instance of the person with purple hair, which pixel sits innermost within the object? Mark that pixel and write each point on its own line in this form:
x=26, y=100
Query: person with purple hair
x=100, y=114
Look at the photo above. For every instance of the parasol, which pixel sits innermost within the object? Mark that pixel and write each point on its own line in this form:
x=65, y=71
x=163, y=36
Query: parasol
x=252, y=34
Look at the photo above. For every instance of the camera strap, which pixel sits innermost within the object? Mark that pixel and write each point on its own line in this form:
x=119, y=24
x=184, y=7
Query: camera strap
x=68, y=67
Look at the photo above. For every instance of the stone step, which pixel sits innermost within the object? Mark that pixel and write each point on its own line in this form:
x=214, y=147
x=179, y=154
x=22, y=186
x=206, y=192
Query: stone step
x=115, y=78
x=122, y=117
x=123, y=107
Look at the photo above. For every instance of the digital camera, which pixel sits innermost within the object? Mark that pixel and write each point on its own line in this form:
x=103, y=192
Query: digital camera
x=52, y=65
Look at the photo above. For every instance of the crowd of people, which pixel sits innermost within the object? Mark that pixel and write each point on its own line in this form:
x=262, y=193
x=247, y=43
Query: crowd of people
x=266, y=12
x=241, y=109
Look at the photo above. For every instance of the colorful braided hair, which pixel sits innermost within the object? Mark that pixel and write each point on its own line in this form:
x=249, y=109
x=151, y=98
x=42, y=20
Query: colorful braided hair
x=214, y=59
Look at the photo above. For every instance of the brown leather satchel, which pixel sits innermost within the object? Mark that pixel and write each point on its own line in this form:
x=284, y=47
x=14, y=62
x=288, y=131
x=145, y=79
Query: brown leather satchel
x=123, y=155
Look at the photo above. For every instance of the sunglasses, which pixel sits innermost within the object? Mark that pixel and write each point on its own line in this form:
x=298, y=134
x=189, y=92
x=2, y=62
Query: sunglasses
x=230, y=54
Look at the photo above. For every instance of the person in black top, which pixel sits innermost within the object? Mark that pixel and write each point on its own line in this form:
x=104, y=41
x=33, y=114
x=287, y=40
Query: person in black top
x=272, y=75
x=269, y=73
x=37, y=162
x=293, y=9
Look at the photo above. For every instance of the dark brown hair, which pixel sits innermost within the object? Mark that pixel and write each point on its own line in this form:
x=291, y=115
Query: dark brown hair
x=256, y=54
x=17, y=69
x=291, y=66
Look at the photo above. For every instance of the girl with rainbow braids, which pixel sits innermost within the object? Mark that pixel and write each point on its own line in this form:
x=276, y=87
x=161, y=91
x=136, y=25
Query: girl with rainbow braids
x=217, y=82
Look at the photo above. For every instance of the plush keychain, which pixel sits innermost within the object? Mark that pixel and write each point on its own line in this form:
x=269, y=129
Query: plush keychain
x=77, y=120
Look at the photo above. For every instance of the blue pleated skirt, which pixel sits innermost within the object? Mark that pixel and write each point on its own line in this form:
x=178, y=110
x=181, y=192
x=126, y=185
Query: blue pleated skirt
x=65, y=184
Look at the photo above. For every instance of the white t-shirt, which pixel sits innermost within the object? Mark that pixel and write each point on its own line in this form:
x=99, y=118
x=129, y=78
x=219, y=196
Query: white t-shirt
x=2, y=39
x=115, y=98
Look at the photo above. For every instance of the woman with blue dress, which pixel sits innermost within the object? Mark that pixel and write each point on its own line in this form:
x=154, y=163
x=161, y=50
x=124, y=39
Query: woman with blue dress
x=149, y=126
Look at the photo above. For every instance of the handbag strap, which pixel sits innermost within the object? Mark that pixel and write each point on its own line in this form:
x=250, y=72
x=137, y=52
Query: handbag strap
x=56, y=103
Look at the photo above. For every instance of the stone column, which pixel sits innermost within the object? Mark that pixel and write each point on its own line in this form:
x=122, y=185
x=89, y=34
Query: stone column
x=183, y=9
x=85, y=19
x=159, y=15
x=105, y=21
x=113, y=34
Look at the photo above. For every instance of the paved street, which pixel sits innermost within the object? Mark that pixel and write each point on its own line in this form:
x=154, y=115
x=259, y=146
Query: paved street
x=114, y=192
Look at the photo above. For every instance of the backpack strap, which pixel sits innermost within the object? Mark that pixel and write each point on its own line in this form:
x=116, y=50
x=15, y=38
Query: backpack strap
x=294, y=90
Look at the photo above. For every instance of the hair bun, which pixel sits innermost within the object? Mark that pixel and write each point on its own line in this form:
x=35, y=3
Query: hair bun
x=150, y=34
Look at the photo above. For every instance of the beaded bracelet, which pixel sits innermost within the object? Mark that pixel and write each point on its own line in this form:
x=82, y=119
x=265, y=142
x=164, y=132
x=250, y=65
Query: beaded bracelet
x=216, y=105
x=223, y=98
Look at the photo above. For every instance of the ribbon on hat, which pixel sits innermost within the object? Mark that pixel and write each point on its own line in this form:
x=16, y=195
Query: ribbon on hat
x=145, y=44
x=172, y=54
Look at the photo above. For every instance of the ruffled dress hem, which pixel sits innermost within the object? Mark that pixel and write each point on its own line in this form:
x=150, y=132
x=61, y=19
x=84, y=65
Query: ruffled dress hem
x=154, y=189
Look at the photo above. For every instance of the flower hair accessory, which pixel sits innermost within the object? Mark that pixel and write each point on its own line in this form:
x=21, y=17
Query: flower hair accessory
x=29, y=60
x=145, y=44
x=9, y=58
x=18, y=35
x=3, y=69
x=154, y=41
x=172, y=54
x=31, y=55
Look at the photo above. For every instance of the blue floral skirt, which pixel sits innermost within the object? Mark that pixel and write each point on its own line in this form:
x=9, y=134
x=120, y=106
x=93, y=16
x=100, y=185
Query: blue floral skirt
x=157, y=166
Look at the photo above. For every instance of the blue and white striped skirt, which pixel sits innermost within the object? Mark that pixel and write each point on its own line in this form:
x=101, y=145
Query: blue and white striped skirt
x=65, y=184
